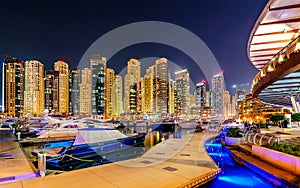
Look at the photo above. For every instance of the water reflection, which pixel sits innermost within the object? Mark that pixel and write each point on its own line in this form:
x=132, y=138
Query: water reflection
x=232, y=175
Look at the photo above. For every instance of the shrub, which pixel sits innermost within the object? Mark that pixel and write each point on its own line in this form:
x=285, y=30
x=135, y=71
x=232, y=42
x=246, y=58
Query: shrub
x=234, y=132
x=285, y=148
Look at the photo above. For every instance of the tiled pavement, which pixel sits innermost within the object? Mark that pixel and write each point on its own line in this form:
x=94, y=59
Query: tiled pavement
x=173, y=163
x=13, y=163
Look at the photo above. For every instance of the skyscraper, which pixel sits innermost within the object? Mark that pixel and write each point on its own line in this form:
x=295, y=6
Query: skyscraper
x=62, y=68
x=227, y=104
x=192, y=100
x=207, y=99
x=13, y=86
x=131, y=78
x=51, y=91
x=201, y=93
x=98, y=69
x=74, y=92
x=133, y=98
x=182, y=86
x=85, y=93
x=172, y=97
x=217, y=94
x=147, y=91
x=109, y=83
x=177, y=103
x=162, y=78
x=117, y=96
x=34, y=88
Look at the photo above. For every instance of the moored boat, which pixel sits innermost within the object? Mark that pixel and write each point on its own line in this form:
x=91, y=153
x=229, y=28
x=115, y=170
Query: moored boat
x=90, y=145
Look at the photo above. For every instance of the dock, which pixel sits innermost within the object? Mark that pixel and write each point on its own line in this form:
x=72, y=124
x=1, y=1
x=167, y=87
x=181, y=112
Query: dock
x=13, y=163
x=173, y=163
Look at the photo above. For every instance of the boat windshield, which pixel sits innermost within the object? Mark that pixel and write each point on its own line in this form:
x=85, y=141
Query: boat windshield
x=94, y=135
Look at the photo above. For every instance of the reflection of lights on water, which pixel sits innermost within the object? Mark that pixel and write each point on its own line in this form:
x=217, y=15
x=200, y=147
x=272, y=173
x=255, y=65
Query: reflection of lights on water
x=214, y=144
x=217, y=154
x=243, y=181
x=232, y=175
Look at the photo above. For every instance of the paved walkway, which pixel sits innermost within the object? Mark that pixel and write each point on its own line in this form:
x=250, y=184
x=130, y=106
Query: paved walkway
x=173, y=163
x=13, y=163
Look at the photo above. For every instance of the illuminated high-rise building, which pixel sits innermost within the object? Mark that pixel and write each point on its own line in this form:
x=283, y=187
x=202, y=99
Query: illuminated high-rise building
x=192, y=100
x=201, y=93
x=117, y=96
x=182, y=86
x=74, y=92
x=109, y=84
x=227, y=104
x=194, y=110
x=127, y=84
x=133, y=97
x=240, y=94
x=148, y=91
x=98, y=69
x=172, y=97
x=62, y=68
x=51, y=91
x=177, y=103
x=13, y=87
x=161, y=82
x=131, y=78
x=143, y=94
x=207, y=99
x=85, y=93
x=217, y=94
x=34, y=88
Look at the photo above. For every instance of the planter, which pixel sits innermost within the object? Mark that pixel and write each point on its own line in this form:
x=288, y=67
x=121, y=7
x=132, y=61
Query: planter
x=279, y=159
x=233, y=140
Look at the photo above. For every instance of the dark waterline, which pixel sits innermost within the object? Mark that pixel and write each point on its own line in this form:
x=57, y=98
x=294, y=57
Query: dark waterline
x=232, y=175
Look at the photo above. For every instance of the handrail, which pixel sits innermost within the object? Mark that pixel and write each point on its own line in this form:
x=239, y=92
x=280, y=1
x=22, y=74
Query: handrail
x=254, y=138
x=262, y=138
x=270, y=139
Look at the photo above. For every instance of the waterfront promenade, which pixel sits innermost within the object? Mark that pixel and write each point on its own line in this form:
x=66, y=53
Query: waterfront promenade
x=13, y=163
x=173, y=163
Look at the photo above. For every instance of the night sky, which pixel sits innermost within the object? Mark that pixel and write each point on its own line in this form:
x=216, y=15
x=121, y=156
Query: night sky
x=53, y=30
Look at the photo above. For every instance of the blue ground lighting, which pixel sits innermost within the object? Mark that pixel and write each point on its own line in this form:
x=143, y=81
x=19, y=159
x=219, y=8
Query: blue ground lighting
x=232, y=175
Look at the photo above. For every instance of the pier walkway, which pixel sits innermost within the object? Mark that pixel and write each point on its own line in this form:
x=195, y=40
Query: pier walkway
x=173, y=163
x=13, y=163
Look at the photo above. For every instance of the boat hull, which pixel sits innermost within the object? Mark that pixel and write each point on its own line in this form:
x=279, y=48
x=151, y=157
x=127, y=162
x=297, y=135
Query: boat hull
x=98, y=153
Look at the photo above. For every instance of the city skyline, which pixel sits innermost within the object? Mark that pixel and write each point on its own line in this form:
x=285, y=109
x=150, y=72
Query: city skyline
x=67, y=37
x=189, y=93
x=98, y=92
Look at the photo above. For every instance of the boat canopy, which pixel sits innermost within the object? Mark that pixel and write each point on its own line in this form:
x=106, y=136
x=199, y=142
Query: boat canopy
x=94, y=135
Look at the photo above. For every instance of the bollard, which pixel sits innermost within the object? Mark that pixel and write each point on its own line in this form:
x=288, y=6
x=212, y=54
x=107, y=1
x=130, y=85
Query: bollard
x=42, y=164
x=19, y=136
